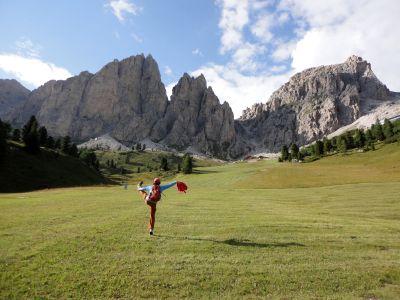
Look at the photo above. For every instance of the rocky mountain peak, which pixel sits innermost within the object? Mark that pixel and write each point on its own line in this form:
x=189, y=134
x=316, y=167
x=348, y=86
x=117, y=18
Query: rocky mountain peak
x=12, y=94
x=127, y=100
x=314, y=103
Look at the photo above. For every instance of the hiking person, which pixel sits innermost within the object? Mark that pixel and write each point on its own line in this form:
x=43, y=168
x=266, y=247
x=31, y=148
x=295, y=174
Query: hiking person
x=151, y=195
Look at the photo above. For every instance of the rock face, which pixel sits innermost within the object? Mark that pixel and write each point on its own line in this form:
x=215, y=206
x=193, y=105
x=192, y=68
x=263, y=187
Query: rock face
x=127, y=100
x=104, y=142
x=313, y=104
x=12, y=94
x=196, y=118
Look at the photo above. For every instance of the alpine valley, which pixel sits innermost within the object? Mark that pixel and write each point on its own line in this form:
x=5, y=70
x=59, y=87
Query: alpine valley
x=127, y=101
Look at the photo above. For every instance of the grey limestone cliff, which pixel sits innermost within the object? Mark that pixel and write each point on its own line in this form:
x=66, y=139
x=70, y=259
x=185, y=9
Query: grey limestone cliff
x=312, y=104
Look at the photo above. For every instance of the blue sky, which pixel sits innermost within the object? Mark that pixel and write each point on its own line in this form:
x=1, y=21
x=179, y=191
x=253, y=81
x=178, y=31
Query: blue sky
x=245, y=48
x=84, y=35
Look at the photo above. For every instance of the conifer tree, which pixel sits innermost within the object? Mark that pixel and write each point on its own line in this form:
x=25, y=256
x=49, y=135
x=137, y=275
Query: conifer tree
x=388, y=129
x=369, y=138
x=284, y=153
x=318, y=148
x=57, y=144
x=349, y=140
x=30, y=136
x=343, y=145
x=327, y=145
x=50, y=142
x=16, y=135
x=294, y=151
x=73, y=150
x=377, y=131
x=66, y=144
x=3, y=140
x=164, y=164
x=359, y=138
x=187, y=164
x=42, y=132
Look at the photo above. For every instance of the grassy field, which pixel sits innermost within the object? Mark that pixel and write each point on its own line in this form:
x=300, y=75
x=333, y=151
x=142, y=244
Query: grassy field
x=328, y=229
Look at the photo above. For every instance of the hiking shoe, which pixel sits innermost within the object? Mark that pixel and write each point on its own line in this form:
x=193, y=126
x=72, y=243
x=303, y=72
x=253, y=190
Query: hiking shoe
x=151, y=232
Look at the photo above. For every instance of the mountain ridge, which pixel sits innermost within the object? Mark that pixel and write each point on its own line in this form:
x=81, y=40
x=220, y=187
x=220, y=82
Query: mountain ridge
x=127, y=100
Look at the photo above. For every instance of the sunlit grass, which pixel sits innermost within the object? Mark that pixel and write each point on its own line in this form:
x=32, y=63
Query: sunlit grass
x=243, y=230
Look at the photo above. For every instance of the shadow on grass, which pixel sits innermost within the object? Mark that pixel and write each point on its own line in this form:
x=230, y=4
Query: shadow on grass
x=204, y=172
x=237, y=243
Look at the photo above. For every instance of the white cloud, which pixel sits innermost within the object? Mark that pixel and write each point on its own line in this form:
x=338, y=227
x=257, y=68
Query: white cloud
x=322, y=13
x=234, y=17
x=241, y=91
x=262, y=27
x=137, y=38
x=167, y=71
x=120, y=8
x=244, y=80
x=169, y=88
x=197, y=52
x=278, y=69
x=31, y=70
x=283, y=18
x=323, y=32
x=340, y=28
x=260, y=4
x=283, y=51
x=25, y=46
x=243, y=57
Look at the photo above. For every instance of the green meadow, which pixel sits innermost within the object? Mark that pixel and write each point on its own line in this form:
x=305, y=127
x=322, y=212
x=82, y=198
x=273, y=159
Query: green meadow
x=329, y=229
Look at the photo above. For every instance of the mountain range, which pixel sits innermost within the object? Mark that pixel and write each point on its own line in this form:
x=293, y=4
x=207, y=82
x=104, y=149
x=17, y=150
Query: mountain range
x=127, y=100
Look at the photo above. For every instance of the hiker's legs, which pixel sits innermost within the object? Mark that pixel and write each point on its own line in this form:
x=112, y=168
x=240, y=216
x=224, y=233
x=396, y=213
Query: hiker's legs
x=152, y=216
x=152, y=207
x=143, y=194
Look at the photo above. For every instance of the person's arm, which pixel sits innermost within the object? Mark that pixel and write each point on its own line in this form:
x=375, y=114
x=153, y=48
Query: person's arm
x=167, y=186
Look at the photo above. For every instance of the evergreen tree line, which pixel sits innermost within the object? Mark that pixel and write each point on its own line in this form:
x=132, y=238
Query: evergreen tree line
x=139, y=147
x=389, y=132
x=186, y=168
x=5, y=130
x=34, y=136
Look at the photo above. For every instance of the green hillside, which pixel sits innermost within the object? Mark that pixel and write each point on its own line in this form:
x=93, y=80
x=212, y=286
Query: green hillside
x=143, y=165
x=381, y=165
x=21, y=171
x=322, y=230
